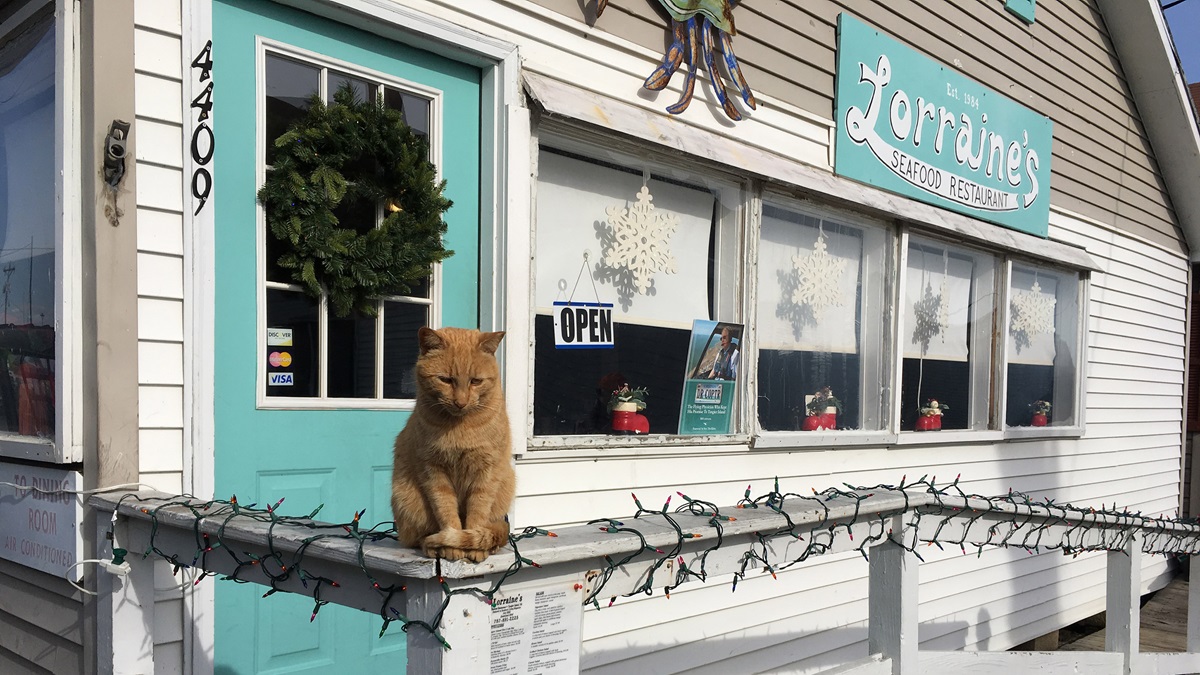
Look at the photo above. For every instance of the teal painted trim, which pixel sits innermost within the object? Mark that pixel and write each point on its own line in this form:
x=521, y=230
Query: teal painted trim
x=913, y=126
x=1024, y=9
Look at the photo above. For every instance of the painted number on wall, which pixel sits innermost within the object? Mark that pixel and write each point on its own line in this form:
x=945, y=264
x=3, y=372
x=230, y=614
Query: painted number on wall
x=203, y=141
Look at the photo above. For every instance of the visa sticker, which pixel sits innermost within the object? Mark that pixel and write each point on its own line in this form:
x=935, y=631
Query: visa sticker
x=279, y=379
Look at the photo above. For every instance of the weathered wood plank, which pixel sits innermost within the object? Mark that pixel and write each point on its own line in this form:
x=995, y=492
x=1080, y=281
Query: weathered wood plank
x=1123, y=616
x=49, y=612
x=1006, y=663
x=872, y=665
x=892, y=621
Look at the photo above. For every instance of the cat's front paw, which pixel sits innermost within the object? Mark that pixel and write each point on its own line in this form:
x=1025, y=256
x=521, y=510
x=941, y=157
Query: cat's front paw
x=475, y=555
x=446, y=544
x=451, y=553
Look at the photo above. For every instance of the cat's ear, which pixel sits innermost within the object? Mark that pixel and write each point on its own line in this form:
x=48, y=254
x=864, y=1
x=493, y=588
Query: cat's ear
x=490, y=342
x=429, y=340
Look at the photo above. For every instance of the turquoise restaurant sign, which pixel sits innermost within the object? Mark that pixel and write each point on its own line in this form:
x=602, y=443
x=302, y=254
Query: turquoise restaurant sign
x=912, y=126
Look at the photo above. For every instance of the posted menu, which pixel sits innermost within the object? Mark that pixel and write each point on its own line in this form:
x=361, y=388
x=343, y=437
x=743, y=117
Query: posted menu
x=536, y=629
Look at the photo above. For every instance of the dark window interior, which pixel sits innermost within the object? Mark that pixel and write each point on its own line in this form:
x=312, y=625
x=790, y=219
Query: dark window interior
x=786, y=377
x=948, y=382
x=569, y=397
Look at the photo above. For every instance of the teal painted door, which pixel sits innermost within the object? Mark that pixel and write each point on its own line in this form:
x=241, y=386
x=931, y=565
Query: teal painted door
x=326, y=437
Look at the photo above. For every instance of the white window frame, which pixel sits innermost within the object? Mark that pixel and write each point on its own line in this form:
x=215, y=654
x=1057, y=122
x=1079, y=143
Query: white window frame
x=67, y=445
x=731, y=298
x=1082, y=292
x=597, y=119
x=433, y=302
x=884, y=330
x=982, y=403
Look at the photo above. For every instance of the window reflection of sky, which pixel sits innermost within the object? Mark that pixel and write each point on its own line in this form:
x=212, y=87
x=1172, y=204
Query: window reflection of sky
x=27, y=222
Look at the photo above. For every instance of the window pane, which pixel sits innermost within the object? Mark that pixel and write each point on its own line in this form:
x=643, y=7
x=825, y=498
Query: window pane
x=414, y=108
x=572, y=387
x=27, y=228
x=351, y=357
x=292, y=344
x=290, y=87
x=820, y=322
x=946, y=340
x=587, y=206
x=338, y=81
x=400, y=323
x=1041, y=350
x=356, y=211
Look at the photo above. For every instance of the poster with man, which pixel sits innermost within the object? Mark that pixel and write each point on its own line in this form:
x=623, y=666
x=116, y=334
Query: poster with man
x=710, y=384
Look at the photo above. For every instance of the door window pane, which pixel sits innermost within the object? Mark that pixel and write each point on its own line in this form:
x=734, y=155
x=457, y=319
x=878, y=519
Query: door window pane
x=820, y=321
x=339, y=81
x=414, y=108
x=290, y=88
x=1042, y=346
x=347, y=366
x=351, y=357
x=400, y=323
x=293, y=344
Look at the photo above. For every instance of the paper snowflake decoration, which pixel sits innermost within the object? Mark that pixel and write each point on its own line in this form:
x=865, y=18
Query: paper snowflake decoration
x=819, y=285
x=642, y=236
x=1033, y=312
x=928, y=314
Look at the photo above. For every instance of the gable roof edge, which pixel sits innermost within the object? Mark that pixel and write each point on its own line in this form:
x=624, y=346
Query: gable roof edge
x=1139, y=33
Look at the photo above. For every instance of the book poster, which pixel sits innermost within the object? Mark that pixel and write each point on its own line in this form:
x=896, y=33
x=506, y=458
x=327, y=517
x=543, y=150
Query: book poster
x=710, y=384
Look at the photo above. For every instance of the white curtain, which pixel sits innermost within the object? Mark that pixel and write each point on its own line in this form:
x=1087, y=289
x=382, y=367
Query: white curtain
x=1034, y=346
x=572, y=198
x=828, y=324
x=937, y=304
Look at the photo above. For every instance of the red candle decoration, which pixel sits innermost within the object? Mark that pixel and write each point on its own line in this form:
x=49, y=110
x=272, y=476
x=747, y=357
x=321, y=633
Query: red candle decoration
x=626, y=405
x=930, y=418
x=1040, y=416
x=822, y=408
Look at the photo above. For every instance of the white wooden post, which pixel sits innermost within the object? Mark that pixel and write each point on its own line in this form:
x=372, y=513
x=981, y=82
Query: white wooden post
x=1123, y=613
x=465, y=626
x=125, y=610
x=1193, y=610
x=892, y=625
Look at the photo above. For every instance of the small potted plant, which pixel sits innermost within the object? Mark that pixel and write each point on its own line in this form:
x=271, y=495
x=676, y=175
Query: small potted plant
x=1041, y=413
x=626, y=405
x=823, y=409
x=931, y=416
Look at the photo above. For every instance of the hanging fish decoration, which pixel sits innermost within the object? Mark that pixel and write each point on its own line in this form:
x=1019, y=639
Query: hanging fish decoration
x=701, y=29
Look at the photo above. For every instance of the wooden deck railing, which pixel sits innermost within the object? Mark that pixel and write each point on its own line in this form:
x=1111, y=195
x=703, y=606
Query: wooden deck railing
x=657, y=550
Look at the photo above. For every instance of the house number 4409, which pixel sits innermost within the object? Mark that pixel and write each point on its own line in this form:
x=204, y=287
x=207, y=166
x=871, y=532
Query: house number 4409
x=203, y=140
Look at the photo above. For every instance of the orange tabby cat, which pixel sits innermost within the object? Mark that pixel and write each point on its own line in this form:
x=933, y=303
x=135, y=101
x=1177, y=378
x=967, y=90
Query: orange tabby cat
x=452, y=479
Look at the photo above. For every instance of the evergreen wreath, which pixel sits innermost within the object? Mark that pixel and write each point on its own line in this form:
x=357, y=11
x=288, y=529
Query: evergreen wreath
x=344, y=158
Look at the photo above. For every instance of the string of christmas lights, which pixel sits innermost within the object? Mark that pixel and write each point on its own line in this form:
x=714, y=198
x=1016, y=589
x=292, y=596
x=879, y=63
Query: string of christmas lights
x=278, y=567
x=929, y=514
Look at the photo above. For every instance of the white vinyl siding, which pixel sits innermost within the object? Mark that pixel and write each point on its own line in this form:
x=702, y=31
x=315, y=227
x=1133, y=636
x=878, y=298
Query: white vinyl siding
x=158, y=137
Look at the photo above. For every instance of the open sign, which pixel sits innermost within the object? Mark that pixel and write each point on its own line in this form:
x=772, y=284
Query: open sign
x=583, y=325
